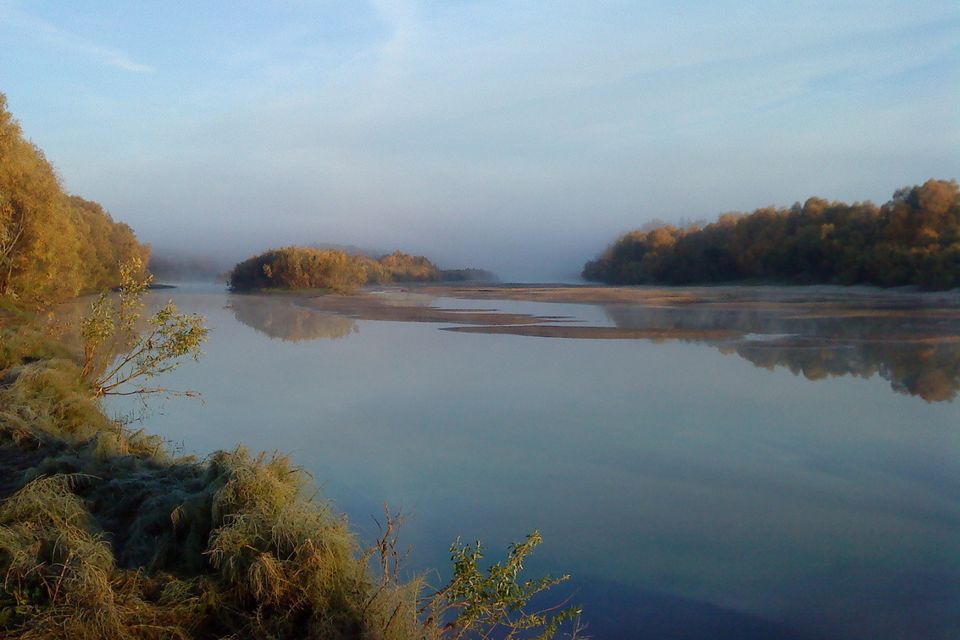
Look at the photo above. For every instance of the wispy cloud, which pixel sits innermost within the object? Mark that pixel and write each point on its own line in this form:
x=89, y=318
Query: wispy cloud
x=64, y=39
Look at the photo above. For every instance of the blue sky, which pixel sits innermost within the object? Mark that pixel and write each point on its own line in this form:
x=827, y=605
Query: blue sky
x=520, y=136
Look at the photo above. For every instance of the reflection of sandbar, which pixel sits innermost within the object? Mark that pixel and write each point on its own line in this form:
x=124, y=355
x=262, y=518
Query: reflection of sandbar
x=911, y=339
x=598, y=333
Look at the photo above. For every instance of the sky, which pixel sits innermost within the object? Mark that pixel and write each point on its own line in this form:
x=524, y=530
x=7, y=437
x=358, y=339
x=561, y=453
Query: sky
x=518, y=136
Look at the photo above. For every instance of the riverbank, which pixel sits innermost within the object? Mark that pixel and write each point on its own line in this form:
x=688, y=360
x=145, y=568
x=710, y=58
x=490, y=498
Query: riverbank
x=107, y=533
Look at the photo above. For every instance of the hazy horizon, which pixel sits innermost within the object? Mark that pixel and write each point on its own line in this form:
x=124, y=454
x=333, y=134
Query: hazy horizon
x=515, y=137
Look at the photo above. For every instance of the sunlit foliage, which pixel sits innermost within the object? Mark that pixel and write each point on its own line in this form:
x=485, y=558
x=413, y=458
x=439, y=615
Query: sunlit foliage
x=403, y=267
x=299, y=268
x=914, y=239
x=52, y=246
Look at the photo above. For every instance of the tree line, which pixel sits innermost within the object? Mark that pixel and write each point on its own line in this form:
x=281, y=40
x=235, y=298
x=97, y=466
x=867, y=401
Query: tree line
x=913, y=239
x=52, y=245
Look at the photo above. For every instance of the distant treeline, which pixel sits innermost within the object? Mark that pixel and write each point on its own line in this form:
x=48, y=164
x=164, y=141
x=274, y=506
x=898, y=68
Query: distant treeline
x=52, y=245
x=311, y=268
x=914, y=239
x=468, y=275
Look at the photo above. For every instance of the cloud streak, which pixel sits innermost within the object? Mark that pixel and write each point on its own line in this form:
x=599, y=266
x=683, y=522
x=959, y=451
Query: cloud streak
x=58, y=37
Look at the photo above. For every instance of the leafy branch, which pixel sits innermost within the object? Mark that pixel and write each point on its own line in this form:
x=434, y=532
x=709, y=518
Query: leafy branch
x=115, y=325
x=495, y=602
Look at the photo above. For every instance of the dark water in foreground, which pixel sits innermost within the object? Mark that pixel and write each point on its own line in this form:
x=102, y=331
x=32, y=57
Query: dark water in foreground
x=771, y=486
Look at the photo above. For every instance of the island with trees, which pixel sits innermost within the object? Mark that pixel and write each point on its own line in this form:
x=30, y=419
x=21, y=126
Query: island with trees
x=306, y=268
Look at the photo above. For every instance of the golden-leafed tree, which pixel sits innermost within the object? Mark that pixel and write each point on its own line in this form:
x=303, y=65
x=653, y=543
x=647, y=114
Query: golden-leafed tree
x=52, y=246
x=299, y=268
x=37, y=240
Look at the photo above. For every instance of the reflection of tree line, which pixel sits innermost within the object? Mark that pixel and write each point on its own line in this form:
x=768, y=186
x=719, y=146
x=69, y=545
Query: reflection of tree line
x=916, y=354
x=282, y=318
x=931, y=371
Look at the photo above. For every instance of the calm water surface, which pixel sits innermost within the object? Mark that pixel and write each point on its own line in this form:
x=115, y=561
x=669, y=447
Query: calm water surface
x=768, y=487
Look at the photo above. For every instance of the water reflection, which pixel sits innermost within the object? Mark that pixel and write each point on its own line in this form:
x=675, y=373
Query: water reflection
x=690, y=494
x=280, y=317
x=917, y=352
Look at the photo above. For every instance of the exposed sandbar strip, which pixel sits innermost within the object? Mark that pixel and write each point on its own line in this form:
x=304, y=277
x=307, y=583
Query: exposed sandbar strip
x=366, y=306
x=599, y=333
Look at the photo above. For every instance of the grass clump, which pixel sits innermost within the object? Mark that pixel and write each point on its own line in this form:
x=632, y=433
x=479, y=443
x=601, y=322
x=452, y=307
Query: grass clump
x=60, y=580
x=293, y=562
x=49, y=402
x=23, y=340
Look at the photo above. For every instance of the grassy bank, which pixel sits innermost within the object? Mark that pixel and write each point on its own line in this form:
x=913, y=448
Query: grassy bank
x=105, y=533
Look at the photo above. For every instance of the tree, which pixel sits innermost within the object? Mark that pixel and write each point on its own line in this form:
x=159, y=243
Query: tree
x=119, y=356
x=37, y=244
x=52, y=246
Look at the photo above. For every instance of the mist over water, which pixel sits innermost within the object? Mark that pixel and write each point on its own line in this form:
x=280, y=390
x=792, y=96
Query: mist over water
x=524, y=260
